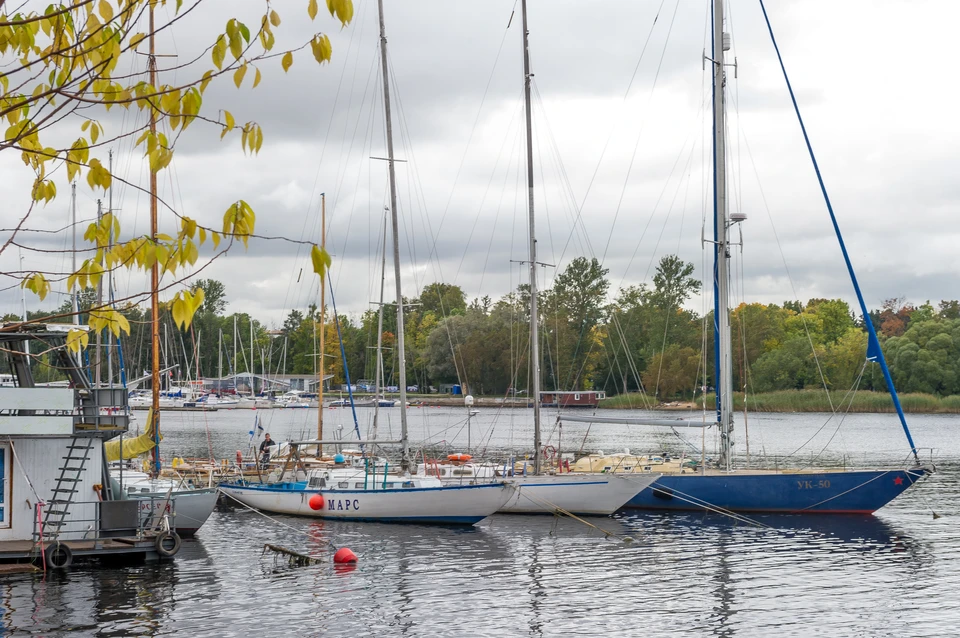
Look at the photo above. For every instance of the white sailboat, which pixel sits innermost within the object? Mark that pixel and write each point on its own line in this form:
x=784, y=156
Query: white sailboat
x=353, y=493
x=538, y=493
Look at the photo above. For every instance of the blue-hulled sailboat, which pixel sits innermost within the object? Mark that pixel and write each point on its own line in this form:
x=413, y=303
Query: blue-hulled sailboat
x=766, y=490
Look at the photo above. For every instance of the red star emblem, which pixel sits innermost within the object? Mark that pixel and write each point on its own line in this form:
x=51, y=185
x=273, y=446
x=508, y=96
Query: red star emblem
x=898, y=480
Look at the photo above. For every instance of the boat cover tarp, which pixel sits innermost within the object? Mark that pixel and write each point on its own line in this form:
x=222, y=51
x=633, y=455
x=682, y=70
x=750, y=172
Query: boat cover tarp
x=132, y=448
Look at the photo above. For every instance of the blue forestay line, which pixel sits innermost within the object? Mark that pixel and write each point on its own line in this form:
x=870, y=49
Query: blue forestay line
x=346, y=370
x=874, y=352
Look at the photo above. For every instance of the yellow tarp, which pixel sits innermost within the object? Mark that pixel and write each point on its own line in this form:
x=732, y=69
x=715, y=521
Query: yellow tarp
x=132, y=448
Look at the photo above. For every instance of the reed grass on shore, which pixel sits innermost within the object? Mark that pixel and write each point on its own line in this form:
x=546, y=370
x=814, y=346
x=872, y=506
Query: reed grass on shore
x=804, y=401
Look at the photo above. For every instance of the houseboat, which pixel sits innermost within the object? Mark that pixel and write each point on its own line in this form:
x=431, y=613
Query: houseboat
x=56, y=503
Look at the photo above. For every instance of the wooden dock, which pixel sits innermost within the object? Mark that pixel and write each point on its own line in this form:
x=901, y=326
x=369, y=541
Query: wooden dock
x=15, y=556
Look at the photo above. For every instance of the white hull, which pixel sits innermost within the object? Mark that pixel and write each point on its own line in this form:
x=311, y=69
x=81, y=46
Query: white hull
x=585, y=495
x=460, y=505
x=192, y=506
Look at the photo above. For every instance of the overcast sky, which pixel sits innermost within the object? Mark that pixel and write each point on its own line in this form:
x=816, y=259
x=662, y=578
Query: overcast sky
x=621, y=121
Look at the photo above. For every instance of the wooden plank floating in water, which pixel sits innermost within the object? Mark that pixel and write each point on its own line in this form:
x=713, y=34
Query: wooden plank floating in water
x=296, y=558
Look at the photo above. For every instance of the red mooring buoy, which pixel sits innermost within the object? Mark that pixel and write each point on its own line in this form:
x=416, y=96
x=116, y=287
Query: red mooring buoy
x=316, y=502
x=344, y=555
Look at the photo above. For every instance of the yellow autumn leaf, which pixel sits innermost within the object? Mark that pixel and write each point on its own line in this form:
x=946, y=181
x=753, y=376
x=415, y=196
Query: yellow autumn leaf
x=77, y=340
x=287, y=61
x=238, y=75
x=105, y=10
x=178, y=310
x=219, y=51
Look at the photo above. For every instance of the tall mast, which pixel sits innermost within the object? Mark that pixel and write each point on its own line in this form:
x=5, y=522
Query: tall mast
x=534, y=326
x=99, y=341
x=196, y=355
x=253, y=383
x=23, y=303
x=110, y=277
x=220, y=363
x=154, y=271
x=721, y=306
x=402, y=362
x=75, y=303
x=378, y=370
x=323, y=303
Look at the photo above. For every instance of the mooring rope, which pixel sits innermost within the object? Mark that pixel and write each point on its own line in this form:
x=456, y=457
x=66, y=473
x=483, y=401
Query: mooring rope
x=273, y=520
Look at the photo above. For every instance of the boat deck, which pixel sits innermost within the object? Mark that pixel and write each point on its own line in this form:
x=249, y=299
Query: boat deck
x=14, y=551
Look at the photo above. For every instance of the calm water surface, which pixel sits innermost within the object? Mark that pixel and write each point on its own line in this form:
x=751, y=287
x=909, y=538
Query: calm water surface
x=893, y=574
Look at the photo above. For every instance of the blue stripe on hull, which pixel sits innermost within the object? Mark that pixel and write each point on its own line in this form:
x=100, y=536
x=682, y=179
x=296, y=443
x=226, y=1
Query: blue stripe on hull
x=431, y=520
x=859, y=492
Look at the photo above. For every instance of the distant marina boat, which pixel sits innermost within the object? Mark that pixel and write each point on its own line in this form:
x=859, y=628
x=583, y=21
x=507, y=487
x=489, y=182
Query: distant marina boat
x=363, y=403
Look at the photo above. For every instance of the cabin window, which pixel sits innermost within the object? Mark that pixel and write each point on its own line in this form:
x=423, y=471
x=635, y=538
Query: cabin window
x=358, y=485
x=5, y=491
x=343, y=485
x=646, y=468
x=576, y=397
x=607, y=468
x=462, y=472
x=317, y=482
x=627, y=468
x=408, y=484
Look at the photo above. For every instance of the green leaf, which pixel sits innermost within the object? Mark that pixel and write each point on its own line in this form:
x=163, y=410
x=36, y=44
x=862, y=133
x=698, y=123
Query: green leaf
x=245, y=32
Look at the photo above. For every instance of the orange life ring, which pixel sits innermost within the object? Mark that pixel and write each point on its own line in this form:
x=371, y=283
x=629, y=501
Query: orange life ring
x=549, y=452
x=459, y=457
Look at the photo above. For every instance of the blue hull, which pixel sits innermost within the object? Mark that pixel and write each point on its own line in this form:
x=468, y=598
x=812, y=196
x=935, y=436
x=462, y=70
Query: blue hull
x=859, y=492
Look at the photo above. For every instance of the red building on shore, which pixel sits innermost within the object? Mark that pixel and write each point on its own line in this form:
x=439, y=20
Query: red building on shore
x=572, y=399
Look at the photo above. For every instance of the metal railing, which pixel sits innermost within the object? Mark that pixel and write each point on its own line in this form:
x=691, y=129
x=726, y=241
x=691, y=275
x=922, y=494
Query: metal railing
x=136, y=517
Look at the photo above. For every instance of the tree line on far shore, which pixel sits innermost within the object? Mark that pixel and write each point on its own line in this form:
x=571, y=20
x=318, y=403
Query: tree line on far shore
x=643, y=340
